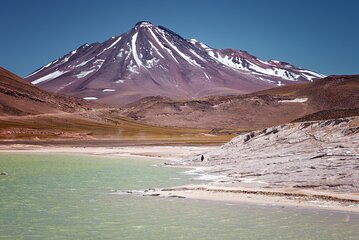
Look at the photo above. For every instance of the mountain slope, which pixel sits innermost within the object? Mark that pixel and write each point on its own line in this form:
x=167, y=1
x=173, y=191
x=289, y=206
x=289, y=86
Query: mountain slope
x=18, y=97
x=28, y=113
x=253, y=111
x=151, y=60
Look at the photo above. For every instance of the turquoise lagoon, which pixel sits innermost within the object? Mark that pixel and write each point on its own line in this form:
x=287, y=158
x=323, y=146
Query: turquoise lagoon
x=59, y=196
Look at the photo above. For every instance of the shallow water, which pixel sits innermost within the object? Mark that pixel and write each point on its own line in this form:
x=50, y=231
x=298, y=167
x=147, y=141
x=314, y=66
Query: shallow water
x=70, y=197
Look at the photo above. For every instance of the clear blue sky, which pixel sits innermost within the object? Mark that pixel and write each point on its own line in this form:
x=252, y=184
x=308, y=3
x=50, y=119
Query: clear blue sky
x=315, y=34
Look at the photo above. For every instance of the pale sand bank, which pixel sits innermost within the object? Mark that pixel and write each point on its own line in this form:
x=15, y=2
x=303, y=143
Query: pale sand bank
x=158, y=152
x=272, y=197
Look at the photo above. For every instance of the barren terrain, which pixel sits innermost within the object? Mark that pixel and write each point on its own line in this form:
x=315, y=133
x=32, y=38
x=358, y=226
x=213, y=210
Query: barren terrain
x=318, y=155
x=335, y=96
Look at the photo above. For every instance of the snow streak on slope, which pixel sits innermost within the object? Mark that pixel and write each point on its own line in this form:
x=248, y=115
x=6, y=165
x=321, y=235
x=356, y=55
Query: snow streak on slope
x=134, y=50
x=188, y=59
x=113, y=44
x=48, y=77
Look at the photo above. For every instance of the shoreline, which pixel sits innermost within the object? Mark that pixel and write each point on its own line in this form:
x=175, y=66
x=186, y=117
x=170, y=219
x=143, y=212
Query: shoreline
x=162, y=152
x=270, y=197
x=211, y=191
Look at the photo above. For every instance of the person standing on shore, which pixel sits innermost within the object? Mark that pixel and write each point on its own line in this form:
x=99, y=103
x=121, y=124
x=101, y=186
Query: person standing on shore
x=202, y=158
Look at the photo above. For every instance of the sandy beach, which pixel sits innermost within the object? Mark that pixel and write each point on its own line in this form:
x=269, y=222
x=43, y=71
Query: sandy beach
x=214, y=190
x=167, y=153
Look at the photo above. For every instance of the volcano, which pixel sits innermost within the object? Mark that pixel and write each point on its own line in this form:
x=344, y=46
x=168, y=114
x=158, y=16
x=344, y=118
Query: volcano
x=151, y=60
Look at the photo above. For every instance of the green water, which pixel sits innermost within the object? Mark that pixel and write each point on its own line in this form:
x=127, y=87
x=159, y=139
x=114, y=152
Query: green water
x=69, y=197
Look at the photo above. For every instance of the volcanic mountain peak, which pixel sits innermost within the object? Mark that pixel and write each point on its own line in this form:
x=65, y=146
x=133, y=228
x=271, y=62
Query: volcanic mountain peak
x=151, y=60
x=143, y=24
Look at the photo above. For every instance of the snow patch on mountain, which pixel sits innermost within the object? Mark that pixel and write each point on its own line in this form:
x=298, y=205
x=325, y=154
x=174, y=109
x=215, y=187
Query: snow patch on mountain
x=85, y=73
x=134, y=50
x=279, y=83
x=153, y=47
x=166, y=48
x=205, y=74
x=156, y=39
x=48, y=77
x=96, y=66
x=310, y=75
x=196, y=55
x=296, y=100
x=226, y=60
x=83, y=63
x=240, y=63
x=113, y=44
x=132, y=68
x=69, y=56
x=282, y=73
x=150, y=63
x=188, y=59
x=108, y=90
x=90, y=98
x=42, y=68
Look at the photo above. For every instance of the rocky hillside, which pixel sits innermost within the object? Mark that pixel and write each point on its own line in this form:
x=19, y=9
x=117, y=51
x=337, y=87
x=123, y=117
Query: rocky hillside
x=29, y=113
x=321, y=155
x=18, y=98
x=331, y=97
